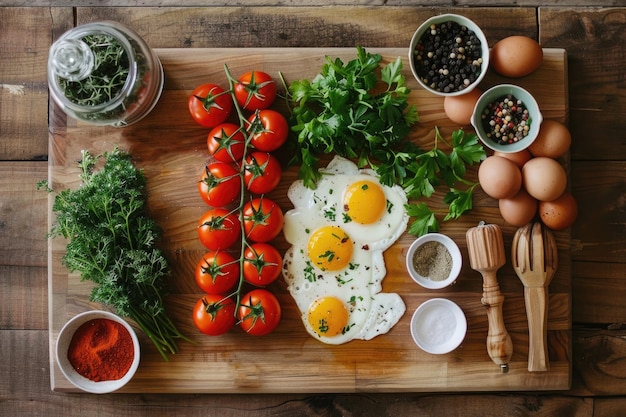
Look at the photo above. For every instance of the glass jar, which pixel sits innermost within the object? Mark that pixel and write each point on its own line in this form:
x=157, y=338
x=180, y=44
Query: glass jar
x=104, y=73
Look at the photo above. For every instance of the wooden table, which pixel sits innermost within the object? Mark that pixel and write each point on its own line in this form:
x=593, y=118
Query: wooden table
x=597, y=180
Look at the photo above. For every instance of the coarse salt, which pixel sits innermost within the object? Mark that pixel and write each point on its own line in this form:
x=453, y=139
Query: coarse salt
x=437, y=325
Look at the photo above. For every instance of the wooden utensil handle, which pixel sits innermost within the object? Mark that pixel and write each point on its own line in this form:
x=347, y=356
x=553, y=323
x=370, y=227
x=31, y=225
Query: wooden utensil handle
x=536, y=312
x=499, y=344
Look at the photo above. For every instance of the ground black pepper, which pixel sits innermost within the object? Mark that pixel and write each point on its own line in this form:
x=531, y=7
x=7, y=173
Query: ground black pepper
x=448, y=57
x=432, y=260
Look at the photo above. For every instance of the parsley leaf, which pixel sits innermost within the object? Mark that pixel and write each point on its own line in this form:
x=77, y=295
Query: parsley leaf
x=348, y=110
x=425, y=220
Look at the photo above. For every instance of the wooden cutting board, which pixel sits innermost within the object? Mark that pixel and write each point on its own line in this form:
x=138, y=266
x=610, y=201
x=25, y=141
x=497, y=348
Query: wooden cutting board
x=171, y=149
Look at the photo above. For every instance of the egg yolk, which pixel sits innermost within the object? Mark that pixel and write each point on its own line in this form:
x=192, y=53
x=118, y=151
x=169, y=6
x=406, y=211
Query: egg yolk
x=330, y=248
x=328, y=316
x=364, y=201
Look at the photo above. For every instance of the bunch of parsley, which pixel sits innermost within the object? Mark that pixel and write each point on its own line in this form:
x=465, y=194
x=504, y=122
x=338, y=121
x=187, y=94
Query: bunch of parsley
x=111, y=241
x=350, y=110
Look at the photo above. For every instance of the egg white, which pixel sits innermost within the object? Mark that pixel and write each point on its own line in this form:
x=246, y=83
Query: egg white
x=359, y=284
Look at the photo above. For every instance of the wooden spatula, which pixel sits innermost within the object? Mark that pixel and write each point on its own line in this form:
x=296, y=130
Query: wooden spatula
x=535, y=260
x=486, y=255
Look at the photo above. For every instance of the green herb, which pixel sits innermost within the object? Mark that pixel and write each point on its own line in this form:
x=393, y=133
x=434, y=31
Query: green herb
x=435, y=167
x=112, y=243
x=107, y=79
x=309, y=272
x=345, y=111
x=323, y=326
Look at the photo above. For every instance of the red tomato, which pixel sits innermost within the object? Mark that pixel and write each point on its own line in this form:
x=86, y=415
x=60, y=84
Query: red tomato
x=255, y=90
x=219, y=229
x=226, y=143
x=209, y=105
x=262, y=172
x=269, y=130
x=217, y=272
x=262, y=219
x=259, y=312
x=214, y=314
x=262, y=264
x=219, y=184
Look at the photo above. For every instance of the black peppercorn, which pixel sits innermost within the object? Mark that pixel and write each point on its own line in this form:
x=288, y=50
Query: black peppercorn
x=448, y=57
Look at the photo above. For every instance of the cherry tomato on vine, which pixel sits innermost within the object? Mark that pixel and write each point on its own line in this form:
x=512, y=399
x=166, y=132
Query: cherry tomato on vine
x=219, y=184
x=262, y=219
x=219, y=228
x=214, y=314
x=217, y=272
x=262, y=172
x=269, y=130
x=226, y=142
x=259, y=312
x=209, y=105
x=262, y=264
x=255, y=90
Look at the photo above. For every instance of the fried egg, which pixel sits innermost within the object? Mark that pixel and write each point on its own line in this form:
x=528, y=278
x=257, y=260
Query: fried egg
x=335, y=266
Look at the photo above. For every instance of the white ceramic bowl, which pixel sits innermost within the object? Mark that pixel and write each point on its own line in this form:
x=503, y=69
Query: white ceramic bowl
x=63, y=342
x=438, y=326
x=495, y=93
x=455, y=254
x=463, y=21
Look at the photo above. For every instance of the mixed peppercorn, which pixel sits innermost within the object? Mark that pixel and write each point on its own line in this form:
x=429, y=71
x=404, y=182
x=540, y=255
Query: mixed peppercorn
x=448, y=57
x=506, y=120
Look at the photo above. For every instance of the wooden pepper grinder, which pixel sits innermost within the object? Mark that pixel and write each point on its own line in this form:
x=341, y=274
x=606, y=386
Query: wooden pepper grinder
x=486, y=255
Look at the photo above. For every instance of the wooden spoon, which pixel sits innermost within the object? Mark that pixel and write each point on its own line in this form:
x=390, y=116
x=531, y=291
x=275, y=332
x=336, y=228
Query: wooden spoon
x=535, y=260
x=486, y=255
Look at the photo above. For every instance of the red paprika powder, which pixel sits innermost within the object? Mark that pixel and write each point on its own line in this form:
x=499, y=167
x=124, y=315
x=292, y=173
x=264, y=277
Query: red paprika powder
x=101, y=350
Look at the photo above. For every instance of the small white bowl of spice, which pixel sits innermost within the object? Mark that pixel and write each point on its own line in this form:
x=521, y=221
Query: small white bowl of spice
x=98, y=351
x=434, y=261
x=438, y=326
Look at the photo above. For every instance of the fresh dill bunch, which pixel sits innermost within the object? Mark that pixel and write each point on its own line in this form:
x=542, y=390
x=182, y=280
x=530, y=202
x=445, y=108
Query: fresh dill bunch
x=112, y=242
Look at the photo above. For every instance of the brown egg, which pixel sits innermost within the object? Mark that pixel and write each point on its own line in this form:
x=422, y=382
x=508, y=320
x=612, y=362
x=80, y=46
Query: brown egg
x=459, y=109
x=520, y=158
x=553, y=141
x=516, y=56
x=519, y=209
x=499, y=177
x=544, y=178
x=559, y=214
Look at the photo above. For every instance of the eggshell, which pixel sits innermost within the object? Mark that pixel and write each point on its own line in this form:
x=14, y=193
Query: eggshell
x=516, y=56
x=499, y=177
x=459, y=109
x=519, y=209
x=520, y=158
x=559, y=214
x=553, y=141
x=544, y=178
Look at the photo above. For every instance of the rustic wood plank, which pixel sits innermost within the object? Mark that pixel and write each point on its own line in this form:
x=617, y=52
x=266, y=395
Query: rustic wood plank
x=598, y=293
x=24, y=88
x=599, y=362
x=307, y=3
x=340, y=26
x=593, y=39
x=23, y=298
x=22, y=204
x=312, y=368
x=599, y=234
